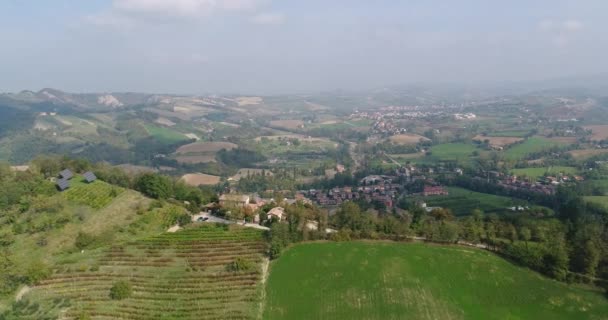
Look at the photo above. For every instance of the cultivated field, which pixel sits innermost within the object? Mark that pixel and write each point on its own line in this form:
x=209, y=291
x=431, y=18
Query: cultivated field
x=599, y=132
x=196, y=159
x=205, y=147
x=200, y=179
x=498, y=141
x=179, y=275
x=531, y=145
x=287, y=124
x=587, y=153
x=407, y=139
x=96, y=195
x=246, y=101
x=245, y=172
x=390, y=281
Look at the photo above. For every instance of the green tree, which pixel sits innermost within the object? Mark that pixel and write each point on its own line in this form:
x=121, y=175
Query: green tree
x=121, y=290
x=154, y=185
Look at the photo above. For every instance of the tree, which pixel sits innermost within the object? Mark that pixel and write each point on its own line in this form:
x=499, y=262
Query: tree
x=121, y=290
x=154, y=185
x=525, y=234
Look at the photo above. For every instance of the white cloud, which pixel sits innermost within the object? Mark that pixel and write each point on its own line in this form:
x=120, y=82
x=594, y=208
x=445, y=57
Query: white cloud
x=182, y=8
x=268, y=18
x=572, y=25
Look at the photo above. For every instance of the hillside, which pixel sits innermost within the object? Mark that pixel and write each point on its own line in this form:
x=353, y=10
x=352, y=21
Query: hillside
x=366, y=280
x=183, y=275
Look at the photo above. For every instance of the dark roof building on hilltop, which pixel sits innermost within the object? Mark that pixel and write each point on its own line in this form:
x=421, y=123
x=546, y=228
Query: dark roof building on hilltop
x=62, y=184
x=89, y=176
x=66, y=174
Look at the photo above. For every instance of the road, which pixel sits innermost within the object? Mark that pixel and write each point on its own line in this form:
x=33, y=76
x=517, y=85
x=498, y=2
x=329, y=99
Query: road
x=214, y=219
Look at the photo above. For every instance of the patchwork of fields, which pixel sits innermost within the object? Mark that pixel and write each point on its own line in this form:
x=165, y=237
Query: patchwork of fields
x=362, y=280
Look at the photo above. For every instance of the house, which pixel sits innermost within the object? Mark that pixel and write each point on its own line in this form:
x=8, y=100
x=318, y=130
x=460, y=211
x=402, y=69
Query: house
x=234, y=200
x=277, y=212
x=435, y=191
x=66, y=174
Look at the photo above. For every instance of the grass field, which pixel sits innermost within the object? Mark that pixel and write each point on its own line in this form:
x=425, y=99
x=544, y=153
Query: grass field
x=601, y=200
x=165, y=135
x=390, y=281
x=179, y=275
x=531, y=145
x=452, y=152
x=535, y=173
x=463, y=202
x=509, y=133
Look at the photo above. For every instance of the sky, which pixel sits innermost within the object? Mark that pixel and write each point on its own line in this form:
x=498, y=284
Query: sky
x=294, y=46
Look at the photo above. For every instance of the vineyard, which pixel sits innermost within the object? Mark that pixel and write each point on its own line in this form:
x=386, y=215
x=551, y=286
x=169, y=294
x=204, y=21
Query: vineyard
x=181, y=275
x=95, y=195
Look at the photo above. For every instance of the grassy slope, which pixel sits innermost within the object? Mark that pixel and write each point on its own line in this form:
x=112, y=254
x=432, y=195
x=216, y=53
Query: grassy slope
x=165, y=135
x=358, y=280
x=462, y=201
x=602, y=200
x=531, y=145
x=535, y=173
x=453, y=151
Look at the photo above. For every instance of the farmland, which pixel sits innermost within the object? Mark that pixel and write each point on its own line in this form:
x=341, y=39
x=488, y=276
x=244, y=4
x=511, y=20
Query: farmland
x=407, y=139
x=96, y=195
x=362, y=280
x=599, y=132
x=452, y=151
x=200, y=179
x=587, y=153
x=179, y=275
x=287, y=124
x=498, y=141
x=535, y=173
x=165, y=135
x=531, y=145
x=205, y=147
x=601, y=200
x=462, y=201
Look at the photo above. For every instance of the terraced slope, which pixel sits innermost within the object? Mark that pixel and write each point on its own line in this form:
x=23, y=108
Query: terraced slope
x=179, y=275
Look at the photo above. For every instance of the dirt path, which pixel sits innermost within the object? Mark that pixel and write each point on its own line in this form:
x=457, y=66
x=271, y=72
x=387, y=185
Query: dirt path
x=173, y=229
x=265, y=265
x=23, y=291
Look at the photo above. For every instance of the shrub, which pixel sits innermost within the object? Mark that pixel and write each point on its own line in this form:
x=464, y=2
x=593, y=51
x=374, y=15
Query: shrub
x=121, y=290
x=84, y=240
x=37, y=272
x=239, y=264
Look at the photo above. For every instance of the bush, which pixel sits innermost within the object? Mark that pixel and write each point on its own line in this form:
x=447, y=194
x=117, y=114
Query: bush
x=37, y=272
x=121, y=290
x=84, y=240
x=184, y=219
x=239, y=264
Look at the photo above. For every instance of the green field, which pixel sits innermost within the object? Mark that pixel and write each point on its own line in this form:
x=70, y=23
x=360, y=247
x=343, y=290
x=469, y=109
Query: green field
x=365, y=280
x=601, y=200
x=535, y=173
x=509, y=133
x=462, y=201
x=165, y=135
x=531, y=145
x=452, y=152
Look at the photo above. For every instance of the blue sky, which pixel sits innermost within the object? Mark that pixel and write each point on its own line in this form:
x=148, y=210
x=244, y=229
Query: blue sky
x=284, y=46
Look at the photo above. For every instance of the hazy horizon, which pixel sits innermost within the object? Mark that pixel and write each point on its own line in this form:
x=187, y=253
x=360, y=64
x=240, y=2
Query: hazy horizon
x=279, y=47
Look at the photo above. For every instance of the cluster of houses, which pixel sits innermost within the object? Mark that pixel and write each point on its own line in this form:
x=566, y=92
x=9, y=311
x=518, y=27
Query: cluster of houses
x=372, y=188
x=545, y=185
